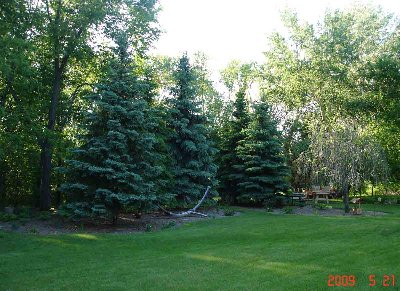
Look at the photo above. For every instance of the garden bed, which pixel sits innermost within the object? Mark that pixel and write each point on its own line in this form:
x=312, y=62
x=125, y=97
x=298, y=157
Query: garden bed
x=309, y=210
x=126, y=223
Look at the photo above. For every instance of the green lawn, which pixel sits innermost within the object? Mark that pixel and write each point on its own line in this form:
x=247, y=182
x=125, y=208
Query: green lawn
x=253, y=251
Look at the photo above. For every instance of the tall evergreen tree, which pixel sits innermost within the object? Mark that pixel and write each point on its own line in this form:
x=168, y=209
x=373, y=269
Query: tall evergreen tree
x=116, y=165
x=262, y=160
x=193, y=153
x=230, y=172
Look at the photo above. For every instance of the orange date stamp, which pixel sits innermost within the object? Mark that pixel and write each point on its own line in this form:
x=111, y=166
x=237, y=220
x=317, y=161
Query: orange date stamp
x=339, y=280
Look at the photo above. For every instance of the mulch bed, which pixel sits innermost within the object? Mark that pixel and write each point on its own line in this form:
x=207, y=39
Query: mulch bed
x=309, y=210
x=127, y=223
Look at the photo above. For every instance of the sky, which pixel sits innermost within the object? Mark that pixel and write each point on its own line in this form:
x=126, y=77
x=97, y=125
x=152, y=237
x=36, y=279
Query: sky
x=235, y=29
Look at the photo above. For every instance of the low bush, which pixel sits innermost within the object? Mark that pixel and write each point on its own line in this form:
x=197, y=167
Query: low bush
x=7, y=217
x=149, y=227
x=44, y=215
x=268, y=209
x=24, y=212
x=322, y=206
x=33, y=230
x=229, y=212
x=276, y=201
x=170, y=224
x=288, y=210
x=384, y=199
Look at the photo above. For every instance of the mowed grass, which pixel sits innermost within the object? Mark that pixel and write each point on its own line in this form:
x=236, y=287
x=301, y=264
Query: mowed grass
x=253, y=251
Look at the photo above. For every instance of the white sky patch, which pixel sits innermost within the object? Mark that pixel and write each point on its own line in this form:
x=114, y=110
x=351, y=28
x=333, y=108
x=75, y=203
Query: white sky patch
x=232, y=29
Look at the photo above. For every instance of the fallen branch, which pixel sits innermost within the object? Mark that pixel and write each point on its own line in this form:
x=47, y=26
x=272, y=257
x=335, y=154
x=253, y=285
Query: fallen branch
x=191, y=211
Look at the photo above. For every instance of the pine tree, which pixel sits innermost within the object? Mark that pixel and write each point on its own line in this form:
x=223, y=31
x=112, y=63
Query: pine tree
x=230, y=172
x=194, y=168
x=262, y=160
x=116, y=164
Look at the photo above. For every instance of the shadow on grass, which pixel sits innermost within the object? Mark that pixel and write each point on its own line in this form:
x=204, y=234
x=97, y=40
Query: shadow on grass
x=277, y=267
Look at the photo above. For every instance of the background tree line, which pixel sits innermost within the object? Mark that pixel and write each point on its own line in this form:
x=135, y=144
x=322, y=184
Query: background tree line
x=90, y=120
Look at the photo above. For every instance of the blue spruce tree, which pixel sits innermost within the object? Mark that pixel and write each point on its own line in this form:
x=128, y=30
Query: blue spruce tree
x=261, y=159
x=194, y=168
x=116, y=165
x=231, y=172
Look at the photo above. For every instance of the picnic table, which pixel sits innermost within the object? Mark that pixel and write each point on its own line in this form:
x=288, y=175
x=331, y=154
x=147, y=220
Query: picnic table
x=322, y=194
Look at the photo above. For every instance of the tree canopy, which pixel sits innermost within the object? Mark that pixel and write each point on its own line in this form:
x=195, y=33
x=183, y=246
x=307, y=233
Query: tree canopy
x=92, y=121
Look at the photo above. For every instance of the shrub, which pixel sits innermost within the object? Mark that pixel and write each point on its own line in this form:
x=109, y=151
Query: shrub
x=390, y=201
x=277, y=201
x=8, y=217
x=288, y=210
x=149, y=227
x=33, y=230
x=170, y=224
x=229, y=212
x=322, y=206
x=63, y=213
x=24, y=212
x=44, y=215
x=269, y=209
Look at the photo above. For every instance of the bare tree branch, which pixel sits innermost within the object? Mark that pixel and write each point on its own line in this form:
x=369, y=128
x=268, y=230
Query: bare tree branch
x=191, y=211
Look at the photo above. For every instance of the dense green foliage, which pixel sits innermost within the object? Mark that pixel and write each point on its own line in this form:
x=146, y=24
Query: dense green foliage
x=194, y=168
x=262, y=160
x=148, y=130
x=93, y=125
x=116, y=166
x=50, y=52
x=253, y=251
x=230, y=172
x=343, y=71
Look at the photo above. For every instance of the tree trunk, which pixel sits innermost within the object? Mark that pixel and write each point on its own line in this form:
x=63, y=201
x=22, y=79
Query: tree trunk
x=46, y=146
x=346, y=199
x=45, y=160
x=2, y=184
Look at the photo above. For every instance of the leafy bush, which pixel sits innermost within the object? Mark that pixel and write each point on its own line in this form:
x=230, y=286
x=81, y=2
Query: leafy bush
x=64, y=213
x=81, y=227
x=229, y=212
x=7, y=217
x=288, y=210
x=149, y=227
x=170, y=224
x=44, y=215
x=269, y=209
x=388, y=199
x=372, y=199
x=391, y=201
x=322, y=206
x=276, y=201
x=33, y=230
x=24, y=212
